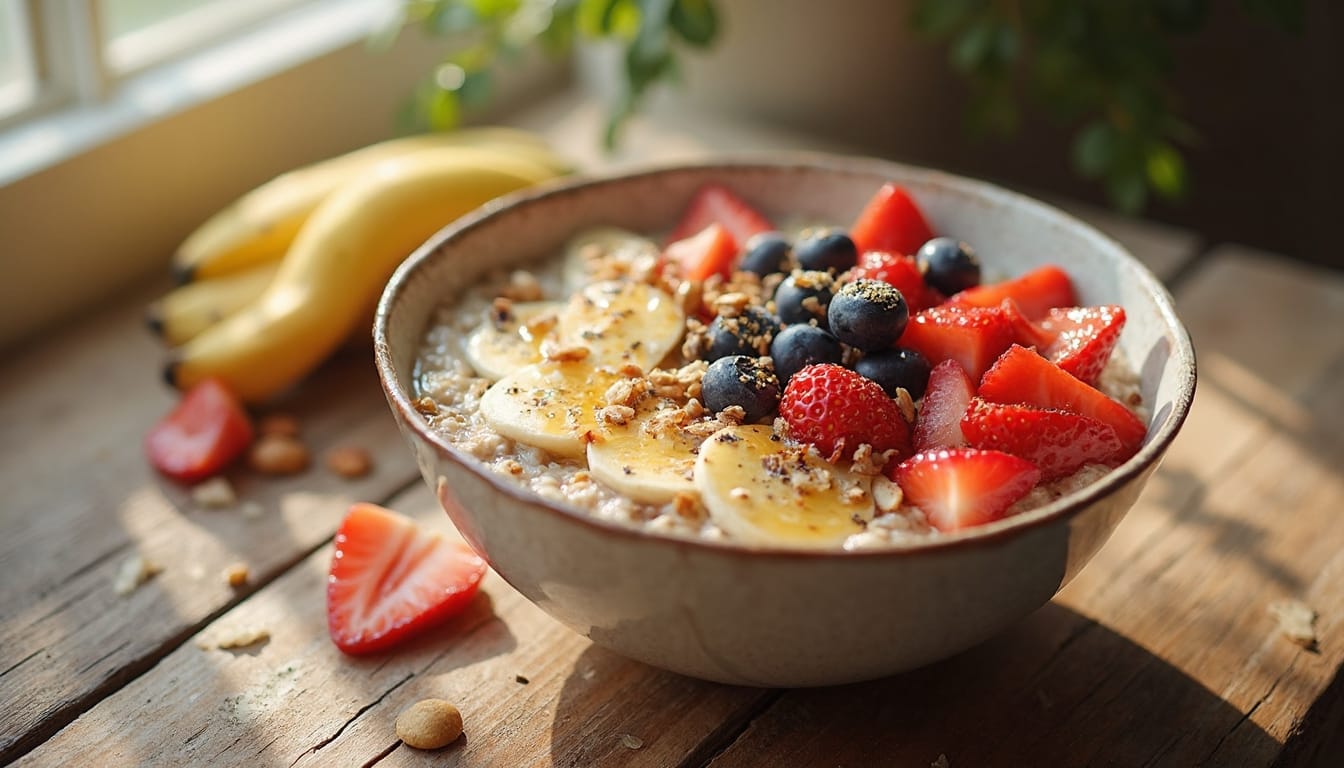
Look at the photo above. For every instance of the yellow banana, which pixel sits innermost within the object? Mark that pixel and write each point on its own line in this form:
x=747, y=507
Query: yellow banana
x=338, y=265
x=259, y=226
x=184, y=312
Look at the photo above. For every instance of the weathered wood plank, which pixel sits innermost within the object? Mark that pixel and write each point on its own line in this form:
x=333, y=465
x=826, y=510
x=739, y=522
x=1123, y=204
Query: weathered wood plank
x=1162, y=652
x=531, y=692
x=81, y=499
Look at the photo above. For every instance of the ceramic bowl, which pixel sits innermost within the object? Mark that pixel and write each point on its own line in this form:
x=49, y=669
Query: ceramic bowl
x=778, y=617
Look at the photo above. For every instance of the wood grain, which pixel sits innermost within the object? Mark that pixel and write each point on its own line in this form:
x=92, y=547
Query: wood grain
x=531, y=692
x=1162, y=652
x=81, y=499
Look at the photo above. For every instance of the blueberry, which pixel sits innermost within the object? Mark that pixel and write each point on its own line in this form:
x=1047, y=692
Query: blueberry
x=803, y=297
x=766, y=254
x=749, y=333
x=896, y=368
x=799, y=346
x=868, y=314
x=740, y=380
x=826, y=249
x=949, y=265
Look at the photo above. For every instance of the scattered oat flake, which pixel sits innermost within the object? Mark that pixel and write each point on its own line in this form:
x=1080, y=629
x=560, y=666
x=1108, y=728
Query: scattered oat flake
x=1297, y=621
x=941, y=762
x=134, y=571
x=631, y=742
x=242, y=637
x=215, y=493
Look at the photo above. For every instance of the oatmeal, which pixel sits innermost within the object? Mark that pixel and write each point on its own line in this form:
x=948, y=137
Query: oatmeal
x=846, y=408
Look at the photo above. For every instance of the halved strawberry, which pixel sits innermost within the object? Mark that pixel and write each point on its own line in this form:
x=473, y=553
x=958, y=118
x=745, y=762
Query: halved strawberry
x=391, y=579
x=708, y=252
x=949, y=392
x=1025, y=332
x=1023, y=377
x=1059, y=443
x=1036, y=292
x=900, y=271
x=1081, y=338
x=963, y=487
x=716, y=204
x=891, y=221
x=973, y=336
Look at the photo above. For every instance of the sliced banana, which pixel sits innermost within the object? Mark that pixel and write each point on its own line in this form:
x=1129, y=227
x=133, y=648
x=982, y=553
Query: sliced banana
x=622, y=322
x=649, y=459
x=499, y=347
x=549, y=405
x=597, y=253
x=761, y=490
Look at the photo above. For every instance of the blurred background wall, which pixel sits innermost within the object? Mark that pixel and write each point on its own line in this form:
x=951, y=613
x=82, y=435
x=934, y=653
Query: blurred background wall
x=1268, y=106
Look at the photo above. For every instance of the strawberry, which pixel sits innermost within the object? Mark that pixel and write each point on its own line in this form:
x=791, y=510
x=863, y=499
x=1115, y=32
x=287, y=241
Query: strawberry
x=963, y=487
x=1023, y=377
x=391, y=579
x=891, y=221
x=205, y=432
x=973, y=336
x=708, y=252
x=949, y=392
x=1059, y=443
x=836, y=409
x=901, y=271
x=1025, y=332
x=1081, y=338
x=716, y=204
x=1037, y=292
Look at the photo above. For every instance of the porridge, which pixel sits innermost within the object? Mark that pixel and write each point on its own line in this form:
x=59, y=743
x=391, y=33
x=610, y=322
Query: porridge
x=824, y=388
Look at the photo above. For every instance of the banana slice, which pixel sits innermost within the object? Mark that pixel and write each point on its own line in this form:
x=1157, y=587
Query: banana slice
x=594, y=253
x=496, y=349
x=763, y=491
x=549, y=405
x=648, y=459
x=623, y=322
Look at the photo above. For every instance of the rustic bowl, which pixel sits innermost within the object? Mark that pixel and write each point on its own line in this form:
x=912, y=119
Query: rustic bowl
x=772, y=616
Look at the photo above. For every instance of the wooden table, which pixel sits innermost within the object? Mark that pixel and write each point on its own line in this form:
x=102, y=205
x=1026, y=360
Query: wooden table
x=1162, y=652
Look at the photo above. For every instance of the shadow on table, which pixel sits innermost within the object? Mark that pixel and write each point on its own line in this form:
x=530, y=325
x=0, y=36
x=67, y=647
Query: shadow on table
x=1056, y=690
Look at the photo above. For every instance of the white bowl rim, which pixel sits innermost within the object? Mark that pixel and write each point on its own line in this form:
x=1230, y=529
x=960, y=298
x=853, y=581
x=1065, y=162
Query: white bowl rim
x=1058, y=510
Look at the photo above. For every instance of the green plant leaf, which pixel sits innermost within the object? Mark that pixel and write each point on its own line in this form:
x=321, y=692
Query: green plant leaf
x=1094, y=149
x=1127, y=191
x=444, y=110
x=938, y=18
x=974, y=46
x=1165, y=169
x=609, y=18
x=695, y=21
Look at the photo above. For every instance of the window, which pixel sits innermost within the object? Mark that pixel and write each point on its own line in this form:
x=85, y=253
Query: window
x=18, y=83
x=58, y=54
x=139, y=33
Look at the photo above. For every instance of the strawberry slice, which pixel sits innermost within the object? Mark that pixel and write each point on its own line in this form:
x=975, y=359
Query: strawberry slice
x=1082, y=338
x=708, y=252
x=1025, y=332
x=391, y=579
x=1059, y=443
x=202, y=435
x=900, y=271
x=891, y=221
x=949, y=392
x=973, y=336
x=964, y=487
x=1036, y=292
x=1023, y=377
x=716, y=204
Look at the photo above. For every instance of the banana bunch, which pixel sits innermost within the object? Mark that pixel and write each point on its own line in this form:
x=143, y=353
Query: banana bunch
x=276, y=281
